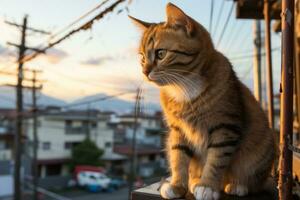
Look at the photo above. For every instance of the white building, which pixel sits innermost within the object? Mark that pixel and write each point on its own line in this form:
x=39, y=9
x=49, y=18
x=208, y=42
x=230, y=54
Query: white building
x=150, y=129
x=59, y=131
x=150, y=133
x=7, y=124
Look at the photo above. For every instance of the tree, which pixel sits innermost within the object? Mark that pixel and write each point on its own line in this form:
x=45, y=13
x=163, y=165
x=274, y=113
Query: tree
x=86, y=153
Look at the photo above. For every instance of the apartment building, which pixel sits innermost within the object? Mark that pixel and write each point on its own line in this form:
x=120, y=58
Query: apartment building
x=59, y=131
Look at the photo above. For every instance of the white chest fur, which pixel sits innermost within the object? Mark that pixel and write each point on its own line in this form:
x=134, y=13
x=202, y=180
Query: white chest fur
x=183, y=92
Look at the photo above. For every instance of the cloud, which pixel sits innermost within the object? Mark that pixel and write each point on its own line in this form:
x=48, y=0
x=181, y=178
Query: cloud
x=2, y=50
x=6, y=53
x=55, y=55
x=97, y=61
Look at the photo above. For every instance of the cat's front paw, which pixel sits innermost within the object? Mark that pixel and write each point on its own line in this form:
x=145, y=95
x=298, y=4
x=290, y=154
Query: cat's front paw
x=167, y=191
x=205, y=193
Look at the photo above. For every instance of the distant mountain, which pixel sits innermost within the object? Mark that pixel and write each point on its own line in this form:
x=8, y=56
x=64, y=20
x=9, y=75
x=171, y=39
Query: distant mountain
x=8, y=98
x=111, y=104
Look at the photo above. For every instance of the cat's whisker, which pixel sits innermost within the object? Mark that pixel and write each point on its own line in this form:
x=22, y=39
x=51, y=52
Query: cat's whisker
x=183, y=77
x=183, y=89
x=190, y=84
x=184, y=71
x=177, y=80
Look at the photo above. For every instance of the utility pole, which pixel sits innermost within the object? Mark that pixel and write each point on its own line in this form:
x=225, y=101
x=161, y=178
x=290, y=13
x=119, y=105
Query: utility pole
x=257, y=61
x=286, y=114
x=88, y=130
x=133, y=144
x=269, y=72
x=35, y=135
x=34, y=115
x=19, y=103
x=19, y=122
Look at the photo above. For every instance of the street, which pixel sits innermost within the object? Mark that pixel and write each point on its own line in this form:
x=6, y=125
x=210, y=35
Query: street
x=121, y=194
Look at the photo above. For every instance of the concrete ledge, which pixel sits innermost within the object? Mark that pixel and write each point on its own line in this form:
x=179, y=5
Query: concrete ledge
x=151, y=193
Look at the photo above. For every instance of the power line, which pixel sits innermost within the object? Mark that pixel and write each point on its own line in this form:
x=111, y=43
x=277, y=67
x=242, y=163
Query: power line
x=251, y=55
x=225, y=25
x=98, y=99
x=79, y=19
x=211, y=15
x=234, y=35
x=85, y=26
x=247, y=72
x=242, y=40
x=219, y=17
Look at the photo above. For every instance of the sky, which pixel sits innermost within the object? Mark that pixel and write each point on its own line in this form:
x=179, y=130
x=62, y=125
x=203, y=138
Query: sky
x=104, y=59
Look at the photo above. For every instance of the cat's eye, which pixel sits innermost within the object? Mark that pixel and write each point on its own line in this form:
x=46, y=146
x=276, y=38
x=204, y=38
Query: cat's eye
x=160, y=54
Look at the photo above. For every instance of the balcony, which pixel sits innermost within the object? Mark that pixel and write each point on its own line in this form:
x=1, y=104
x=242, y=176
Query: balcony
x=76, y=130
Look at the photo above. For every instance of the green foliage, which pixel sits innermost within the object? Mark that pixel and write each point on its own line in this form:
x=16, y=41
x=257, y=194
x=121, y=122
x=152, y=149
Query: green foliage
x=86, y=153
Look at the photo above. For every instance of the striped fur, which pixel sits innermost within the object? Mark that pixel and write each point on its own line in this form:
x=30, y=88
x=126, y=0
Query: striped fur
x=219, y=135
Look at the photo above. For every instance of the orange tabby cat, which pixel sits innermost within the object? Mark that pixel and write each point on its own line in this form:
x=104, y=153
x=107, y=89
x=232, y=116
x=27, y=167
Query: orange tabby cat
x=219, y=137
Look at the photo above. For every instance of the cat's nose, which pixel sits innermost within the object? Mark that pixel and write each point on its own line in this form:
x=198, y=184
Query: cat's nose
x=147, y=71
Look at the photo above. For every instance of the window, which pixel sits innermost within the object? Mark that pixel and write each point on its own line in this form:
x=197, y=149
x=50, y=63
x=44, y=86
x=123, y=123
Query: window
x=46, y=145
x=76, y=127
x=2, y=145
x=70, y=145
x=94, y=124
x=152, y=157
x=107, y=144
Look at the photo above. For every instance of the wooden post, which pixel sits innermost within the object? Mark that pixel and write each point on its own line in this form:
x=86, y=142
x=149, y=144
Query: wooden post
x=35, y=138
x=257, y=60
x=286, y=114
x=19, y=118
x=297, y=65
x=269, y=77
x=133, y=144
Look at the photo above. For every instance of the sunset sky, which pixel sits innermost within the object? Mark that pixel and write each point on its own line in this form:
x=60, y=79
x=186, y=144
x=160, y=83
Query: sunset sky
x=104, y=59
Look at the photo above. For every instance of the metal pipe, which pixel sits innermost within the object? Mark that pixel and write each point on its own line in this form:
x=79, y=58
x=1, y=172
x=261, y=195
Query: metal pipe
x=269, y=75
x=257, y=61
x=286, y=114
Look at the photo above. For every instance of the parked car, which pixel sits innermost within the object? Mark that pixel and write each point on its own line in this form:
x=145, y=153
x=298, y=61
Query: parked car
x=116, y=183
x=93, y=181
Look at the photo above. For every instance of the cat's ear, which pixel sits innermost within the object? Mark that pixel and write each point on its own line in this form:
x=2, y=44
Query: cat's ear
x=176, y=17
x=139, y=23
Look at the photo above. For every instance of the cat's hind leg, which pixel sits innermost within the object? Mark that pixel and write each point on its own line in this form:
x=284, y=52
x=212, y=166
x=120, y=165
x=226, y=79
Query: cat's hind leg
x=246, y=177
